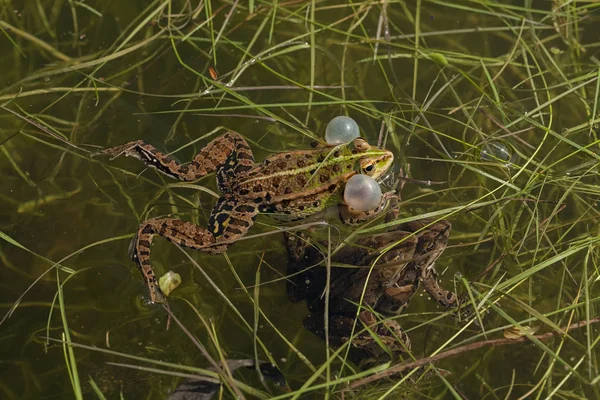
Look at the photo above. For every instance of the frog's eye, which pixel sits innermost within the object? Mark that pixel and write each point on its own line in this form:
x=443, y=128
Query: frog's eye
x=368, y=169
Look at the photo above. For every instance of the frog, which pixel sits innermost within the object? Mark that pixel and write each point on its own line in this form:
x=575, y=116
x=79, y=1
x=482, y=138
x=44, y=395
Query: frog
x=290, y=185
x=385, y=280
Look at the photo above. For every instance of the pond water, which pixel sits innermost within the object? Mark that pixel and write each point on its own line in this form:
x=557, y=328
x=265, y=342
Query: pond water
x=490, y=110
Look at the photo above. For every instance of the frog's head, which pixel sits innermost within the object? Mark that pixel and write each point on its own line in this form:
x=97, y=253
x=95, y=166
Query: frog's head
x=375, y=162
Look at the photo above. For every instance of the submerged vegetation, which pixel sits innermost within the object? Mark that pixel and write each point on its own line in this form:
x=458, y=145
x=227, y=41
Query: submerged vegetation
x=491, y=109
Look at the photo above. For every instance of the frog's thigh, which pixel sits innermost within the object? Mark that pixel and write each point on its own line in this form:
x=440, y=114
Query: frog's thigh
x=233, y=157
x=230, y=219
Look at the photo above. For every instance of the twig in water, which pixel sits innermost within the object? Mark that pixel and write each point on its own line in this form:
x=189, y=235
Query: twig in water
x=469, y=347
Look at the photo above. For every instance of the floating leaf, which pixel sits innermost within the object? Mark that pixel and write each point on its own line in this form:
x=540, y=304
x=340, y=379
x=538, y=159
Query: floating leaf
x=169, y=282
x=515, y=332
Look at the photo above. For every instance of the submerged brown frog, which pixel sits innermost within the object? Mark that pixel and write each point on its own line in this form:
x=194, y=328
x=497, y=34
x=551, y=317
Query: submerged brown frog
x=387, y=287
x=290, y=185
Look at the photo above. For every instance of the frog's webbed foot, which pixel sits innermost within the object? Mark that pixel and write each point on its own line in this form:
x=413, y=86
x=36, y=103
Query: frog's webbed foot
x=151, y=157
x=128, y=149
x=394, y=204
x=466, y=310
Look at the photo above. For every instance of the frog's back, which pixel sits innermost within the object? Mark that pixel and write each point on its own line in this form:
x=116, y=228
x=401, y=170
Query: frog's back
x=299, y=183
x=294, y=174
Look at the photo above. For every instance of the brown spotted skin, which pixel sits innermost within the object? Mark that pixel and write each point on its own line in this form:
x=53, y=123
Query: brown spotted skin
x=431, y=242
x=227, y=155
x=291, y=186
x=387, y=287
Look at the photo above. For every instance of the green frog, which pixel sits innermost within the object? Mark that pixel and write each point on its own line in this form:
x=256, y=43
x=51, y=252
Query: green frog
x=290, y=185
x=387, y=287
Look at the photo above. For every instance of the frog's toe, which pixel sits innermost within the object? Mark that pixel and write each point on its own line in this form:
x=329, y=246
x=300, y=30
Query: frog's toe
x=156, y=296
x=465, y=312
x=127, y=149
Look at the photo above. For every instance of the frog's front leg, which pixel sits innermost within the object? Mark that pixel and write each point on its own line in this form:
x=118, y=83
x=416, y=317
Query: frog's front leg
x=350, y=216
x=228, y=155
x=444, y=297
x=229, y=221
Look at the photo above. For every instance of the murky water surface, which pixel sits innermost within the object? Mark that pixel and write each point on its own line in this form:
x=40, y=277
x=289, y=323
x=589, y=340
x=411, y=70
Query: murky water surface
x=78, y=77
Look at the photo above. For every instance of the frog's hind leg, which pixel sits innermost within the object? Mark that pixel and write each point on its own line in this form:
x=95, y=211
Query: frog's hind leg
x=239, y=160
x=180, y=232
x=228, y=222
x=217, y=155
